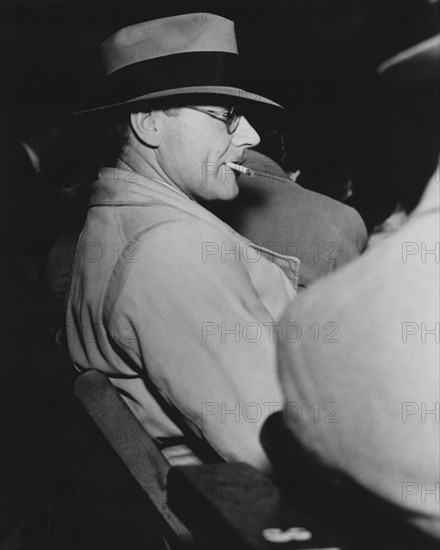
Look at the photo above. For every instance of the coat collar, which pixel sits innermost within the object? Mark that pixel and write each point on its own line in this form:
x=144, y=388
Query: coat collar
x=120, y=187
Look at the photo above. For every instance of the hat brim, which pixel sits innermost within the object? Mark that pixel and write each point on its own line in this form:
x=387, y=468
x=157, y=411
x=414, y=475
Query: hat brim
x=416, y=63
x=227, y=91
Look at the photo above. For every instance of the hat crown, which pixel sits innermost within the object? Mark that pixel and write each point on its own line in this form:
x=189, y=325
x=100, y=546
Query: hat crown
x=193, y=32
x=184, y=55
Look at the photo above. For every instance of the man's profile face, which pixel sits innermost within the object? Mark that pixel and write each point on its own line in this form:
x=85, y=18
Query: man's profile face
x=195, y=148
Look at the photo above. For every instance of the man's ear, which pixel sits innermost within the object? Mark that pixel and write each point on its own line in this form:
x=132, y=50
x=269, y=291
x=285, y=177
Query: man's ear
x=146, y=128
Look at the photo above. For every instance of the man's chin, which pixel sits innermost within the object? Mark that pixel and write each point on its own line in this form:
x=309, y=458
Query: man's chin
x=226, y=193
x=235, y=193
x=229, y=192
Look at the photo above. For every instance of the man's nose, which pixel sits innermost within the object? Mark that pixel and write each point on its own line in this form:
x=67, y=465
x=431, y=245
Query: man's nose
x=245, y=135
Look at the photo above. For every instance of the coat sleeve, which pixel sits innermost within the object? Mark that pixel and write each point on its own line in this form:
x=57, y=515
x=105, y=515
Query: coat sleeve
x=204, y=337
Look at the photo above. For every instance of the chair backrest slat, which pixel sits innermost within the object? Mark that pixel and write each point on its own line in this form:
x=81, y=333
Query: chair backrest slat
x=131, y=442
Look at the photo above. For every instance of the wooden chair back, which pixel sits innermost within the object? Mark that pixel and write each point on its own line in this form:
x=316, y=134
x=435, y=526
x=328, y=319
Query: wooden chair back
x=133, y=445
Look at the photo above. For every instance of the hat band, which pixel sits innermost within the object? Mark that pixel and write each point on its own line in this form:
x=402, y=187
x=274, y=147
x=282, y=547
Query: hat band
x=174, y=71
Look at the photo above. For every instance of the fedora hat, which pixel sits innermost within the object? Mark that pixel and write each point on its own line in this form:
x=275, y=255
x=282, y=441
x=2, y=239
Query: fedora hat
x=186, y=54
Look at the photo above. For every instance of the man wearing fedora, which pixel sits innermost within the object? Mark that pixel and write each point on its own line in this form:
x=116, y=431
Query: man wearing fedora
x=173, y=305
x=170, y=302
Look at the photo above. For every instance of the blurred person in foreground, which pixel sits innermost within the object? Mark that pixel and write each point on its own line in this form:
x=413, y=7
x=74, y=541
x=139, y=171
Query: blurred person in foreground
x=371, y=364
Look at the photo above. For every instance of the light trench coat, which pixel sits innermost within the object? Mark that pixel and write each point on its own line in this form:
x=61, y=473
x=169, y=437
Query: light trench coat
x=179, y=311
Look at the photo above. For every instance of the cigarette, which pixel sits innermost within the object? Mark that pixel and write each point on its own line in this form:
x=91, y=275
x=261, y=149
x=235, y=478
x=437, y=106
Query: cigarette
x=240, y=168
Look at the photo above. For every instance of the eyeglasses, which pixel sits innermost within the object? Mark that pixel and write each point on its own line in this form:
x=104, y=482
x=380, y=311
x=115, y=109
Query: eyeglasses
x=231, y=118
